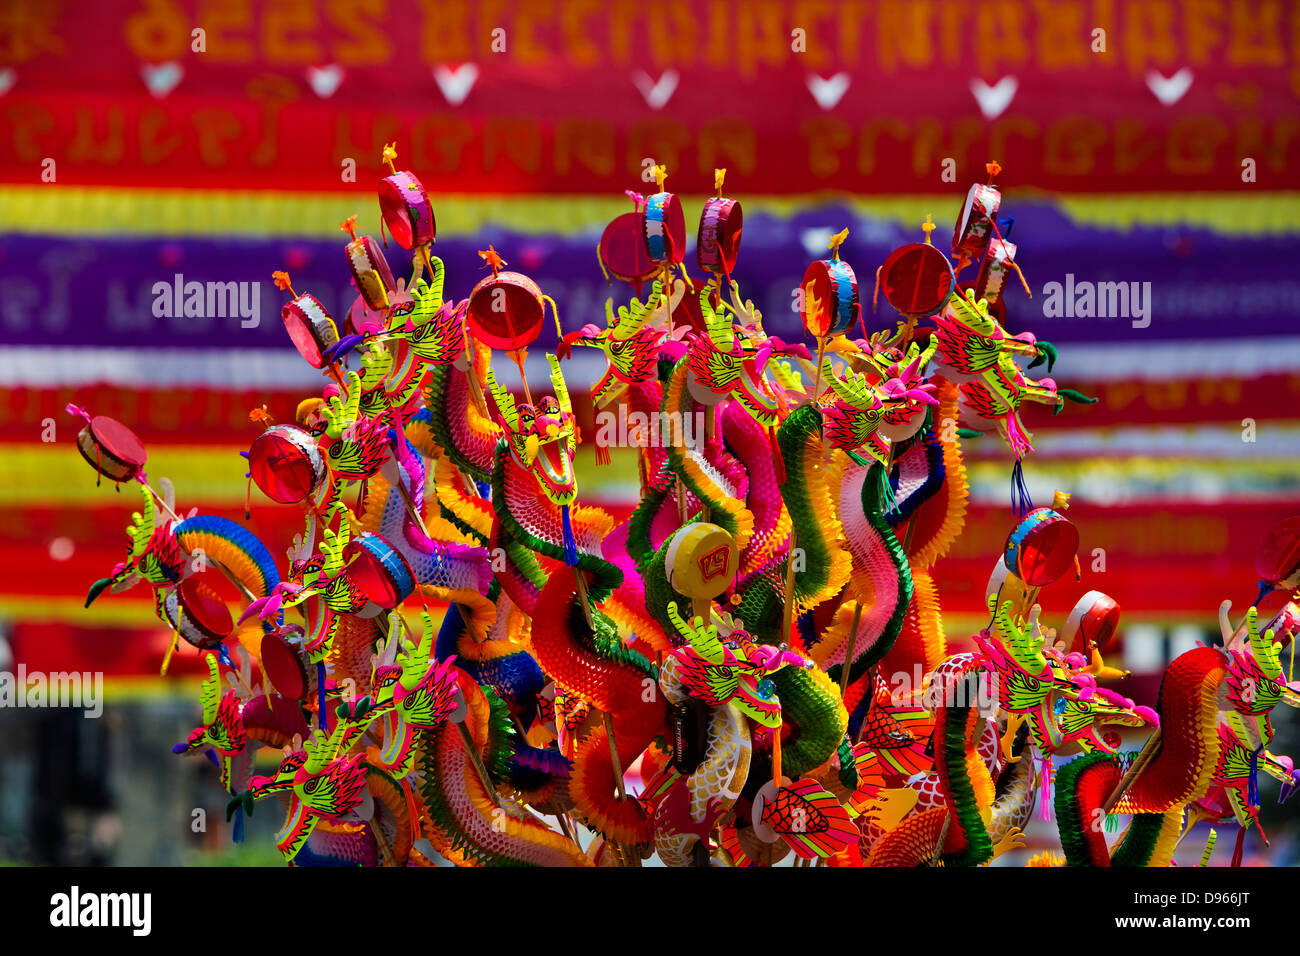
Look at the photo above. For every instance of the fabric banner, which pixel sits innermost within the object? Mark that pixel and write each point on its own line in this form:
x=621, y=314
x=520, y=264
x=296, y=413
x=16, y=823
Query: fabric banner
x=872, y=96
x=1133, y=287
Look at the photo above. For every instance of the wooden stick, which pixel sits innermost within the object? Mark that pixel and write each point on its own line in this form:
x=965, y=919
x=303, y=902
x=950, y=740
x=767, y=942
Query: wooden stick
x=787, y=617
x=584, y=598
x=476, y=759
x=613, y=756
x=1144, y=757
x=848, y=650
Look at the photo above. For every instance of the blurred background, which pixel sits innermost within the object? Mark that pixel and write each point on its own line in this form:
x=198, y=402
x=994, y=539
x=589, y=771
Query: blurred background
x=1142, y=141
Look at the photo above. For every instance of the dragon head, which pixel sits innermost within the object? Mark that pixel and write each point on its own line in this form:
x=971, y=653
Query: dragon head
x=734, y=670
x=153, y=555
x=542, y=435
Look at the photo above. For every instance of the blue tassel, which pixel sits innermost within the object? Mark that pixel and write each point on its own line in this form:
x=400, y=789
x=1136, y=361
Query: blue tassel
x=1252, y=791
x=570, y=545
x=1021, y=503
x=223, y=655
x=1265, y=589
x=320, y=693
x=238, y=834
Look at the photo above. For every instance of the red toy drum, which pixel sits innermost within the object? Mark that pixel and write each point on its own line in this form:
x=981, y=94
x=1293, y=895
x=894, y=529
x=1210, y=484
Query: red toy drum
x=717, y=243
x=112, y=449
x=406, y=209
x=622, y=250
x=285, y=662
x=1278, y=558
x=830, y=306
x=664, y=229
x=505, y=310
x=917, y=279
x=1092, y=623
x=975, y=224
x=379, y=570
x=286, y=464
x=1041, y=547
x=370, y=272
x=310, y=327
x=199, y=614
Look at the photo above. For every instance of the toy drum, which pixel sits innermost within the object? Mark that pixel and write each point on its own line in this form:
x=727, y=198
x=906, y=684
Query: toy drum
x=994, y=269
x=917, y=279
x=370, y=272
x=379, y=571
x=1285, y=623
x=975, y=224
x=664, y=229
x=830, y=298
x=1278, y=558
x=112, y=449
x=622, y=250
x=310, y=327
x=286, y=664
x=717, y=243
x=198, y=614
x=1092, y=623
x=701, y=561
x=505, y=310
x=286, y=464
x=406, y=209
x=1041, y=547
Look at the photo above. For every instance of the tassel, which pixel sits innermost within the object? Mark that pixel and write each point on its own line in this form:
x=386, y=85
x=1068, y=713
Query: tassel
x=1021, y=503
x=602, y=454
x=237, y=836
x=1112, y=823
x=1045, y=788
x=320, y=693
x=570, y=545
x=888, y=502
x=1237, y=851
x=1252, y=790
x=223, y=655
x=248, y=498
x=1264, y=590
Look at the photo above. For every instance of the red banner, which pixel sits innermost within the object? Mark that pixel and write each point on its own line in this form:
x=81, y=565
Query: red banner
x=873, y=96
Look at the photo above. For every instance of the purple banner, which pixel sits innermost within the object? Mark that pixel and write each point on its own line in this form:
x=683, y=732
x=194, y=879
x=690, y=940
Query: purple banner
x=1089, y=284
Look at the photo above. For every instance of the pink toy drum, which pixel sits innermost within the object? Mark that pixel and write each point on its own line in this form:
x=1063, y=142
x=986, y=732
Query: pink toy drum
x=994, y=269
x=285, y=662
x=505, y=310
x=310, y=327
x=917, y=279
x=370, y=272
x=286, y=464
x=112, y=449
x=830, y=306
x=664, y=228
x=379, y=571
x=406, y=209
x=975, y=224
x=1041, y=547
x=622, y=250
x=717, y=243
x=1285, y=624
